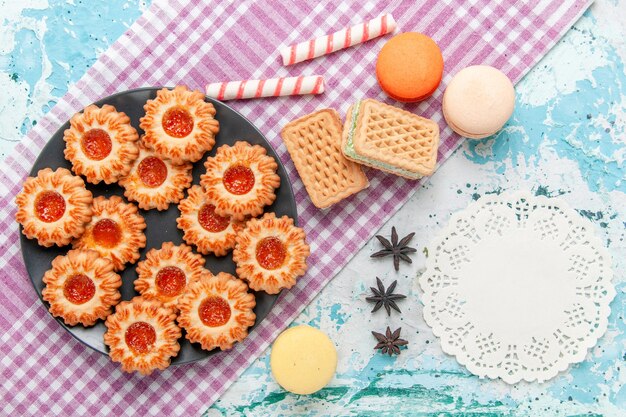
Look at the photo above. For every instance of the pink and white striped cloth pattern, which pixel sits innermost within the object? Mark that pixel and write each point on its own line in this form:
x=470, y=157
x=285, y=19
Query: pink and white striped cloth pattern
x=44, y=370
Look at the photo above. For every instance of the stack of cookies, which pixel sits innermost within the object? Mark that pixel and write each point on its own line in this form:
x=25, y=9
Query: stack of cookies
x=329, y=155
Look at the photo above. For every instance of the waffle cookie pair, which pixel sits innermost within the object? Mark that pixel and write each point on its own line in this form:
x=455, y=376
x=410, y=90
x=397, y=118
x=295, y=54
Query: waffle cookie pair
x=390, y=139
x=329, y=155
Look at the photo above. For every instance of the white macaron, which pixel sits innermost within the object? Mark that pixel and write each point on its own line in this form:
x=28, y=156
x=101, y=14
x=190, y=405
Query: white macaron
x=478, y=101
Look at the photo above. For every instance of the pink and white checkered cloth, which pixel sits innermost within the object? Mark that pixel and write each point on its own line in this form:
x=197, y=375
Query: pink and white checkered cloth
x=46, y=371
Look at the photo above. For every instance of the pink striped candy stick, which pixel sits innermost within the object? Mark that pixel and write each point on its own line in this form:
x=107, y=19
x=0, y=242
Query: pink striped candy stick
x=339, y=40
x=273, y=87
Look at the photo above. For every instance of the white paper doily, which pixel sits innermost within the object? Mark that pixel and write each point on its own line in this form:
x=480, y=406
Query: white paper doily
x=517, y=287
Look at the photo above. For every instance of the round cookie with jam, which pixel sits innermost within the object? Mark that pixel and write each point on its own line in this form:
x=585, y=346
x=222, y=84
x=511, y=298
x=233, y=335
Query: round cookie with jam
x=216, y=311
x=81, y=287
x=155, y=182
x=202, y=227
x=101, y=144
x=240, y=180
x=179, y=124
x=142, y=335
x=116, y=231
x=166, y=272
x=53, y=207
x=271, y=253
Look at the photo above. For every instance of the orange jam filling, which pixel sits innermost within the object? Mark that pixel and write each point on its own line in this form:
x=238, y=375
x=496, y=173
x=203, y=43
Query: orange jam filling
x=140, y=337
x=177, y=122
x=271, y=253
x=78, y=289
x=210, y=221
x=49, y=206
x=214, y=311
x=96, y=144
x=107, y=233
x=170, y=281
x=238, y=179
x=152, y=171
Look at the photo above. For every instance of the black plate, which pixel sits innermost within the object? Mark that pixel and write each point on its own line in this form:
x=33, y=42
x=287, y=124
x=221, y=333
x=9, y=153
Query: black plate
x=161, y=225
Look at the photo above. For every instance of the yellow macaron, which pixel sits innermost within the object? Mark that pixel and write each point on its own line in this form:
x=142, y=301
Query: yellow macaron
x=303, y=359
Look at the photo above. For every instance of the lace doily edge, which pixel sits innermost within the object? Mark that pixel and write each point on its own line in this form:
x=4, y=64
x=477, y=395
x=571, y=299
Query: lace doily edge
x=605, y=309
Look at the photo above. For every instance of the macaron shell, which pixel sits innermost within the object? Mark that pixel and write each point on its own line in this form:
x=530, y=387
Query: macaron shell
x=460, y=131
x=303, y=359
x=409, y=67
x=478, y=101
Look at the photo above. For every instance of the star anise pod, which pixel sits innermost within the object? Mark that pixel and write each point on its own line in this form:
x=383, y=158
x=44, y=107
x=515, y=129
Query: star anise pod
x=398, y=250
x=389, y=342
x=385, y=298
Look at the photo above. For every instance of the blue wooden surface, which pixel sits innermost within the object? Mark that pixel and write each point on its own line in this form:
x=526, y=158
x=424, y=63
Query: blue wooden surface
x=567, y=137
